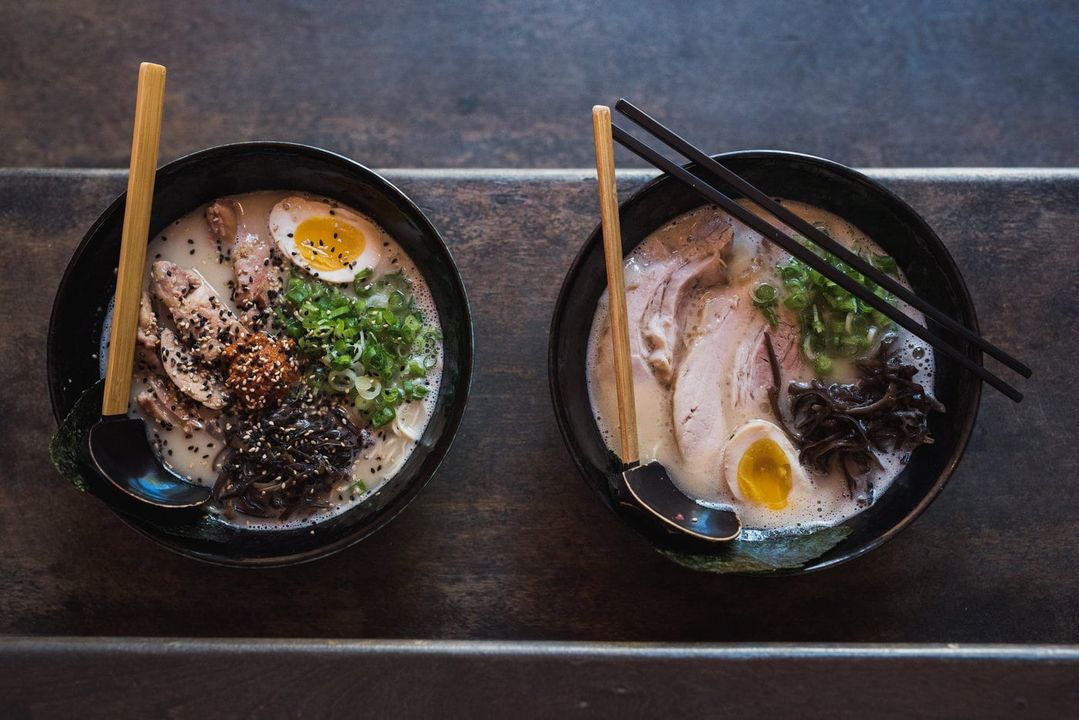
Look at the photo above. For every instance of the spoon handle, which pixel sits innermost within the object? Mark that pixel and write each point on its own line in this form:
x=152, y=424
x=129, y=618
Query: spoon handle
x=616, y=288
x=140, y=192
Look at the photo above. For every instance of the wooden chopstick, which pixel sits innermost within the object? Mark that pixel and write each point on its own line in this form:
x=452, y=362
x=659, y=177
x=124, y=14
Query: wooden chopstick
x=149, y=102
x=616, y=290
x=673, y=140
x=795, y=248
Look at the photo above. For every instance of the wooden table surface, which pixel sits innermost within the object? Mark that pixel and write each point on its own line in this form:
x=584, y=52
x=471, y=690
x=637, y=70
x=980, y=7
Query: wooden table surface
x=507, y=542
x=91, y=678
x=411, y=83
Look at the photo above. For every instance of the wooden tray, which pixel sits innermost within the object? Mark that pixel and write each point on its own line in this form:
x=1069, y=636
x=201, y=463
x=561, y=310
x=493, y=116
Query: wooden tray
x=508, y=544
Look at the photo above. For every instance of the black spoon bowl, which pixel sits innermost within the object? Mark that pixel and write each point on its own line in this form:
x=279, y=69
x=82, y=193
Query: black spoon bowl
x=120, y=452
x=650, y=489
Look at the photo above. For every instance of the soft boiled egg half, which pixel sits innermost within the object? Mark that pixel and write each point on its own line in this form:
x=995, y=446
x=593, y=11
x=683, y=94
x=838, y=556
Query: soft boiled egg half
x=329, y=242
x=760, y=466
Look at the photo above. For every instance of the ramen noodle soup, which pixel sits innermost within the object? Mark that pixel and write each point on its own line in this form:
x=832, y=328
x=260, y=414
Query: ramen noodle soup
x=288, y=356
x=761, y=386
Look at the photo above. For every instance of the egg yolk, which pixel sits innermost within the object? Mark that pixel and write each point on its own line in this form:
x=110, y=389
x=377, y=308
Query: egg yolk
x=764, y=475
x=326, y=243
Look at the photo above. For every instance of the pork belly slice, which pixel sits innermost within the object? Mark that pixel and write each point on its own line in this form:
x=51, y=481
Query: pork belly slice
x=643, y=281
x=726, y=374
x=257, y=279
x=203, y=320
x=161, y=403
x=194, y=380
x=698, y=412
x=752, y=372
x=667, y=312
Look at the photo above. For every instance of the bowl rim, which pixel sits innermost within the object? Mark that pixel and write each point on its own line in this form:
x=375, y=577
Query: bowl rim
x=923, y=228
x=466, y=362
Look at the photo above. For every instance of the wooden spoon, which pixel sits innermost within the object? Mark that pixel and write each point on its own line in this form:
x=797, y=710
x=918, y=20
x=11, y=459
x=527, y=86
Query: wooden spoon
x=117, y=443
x=649, y=486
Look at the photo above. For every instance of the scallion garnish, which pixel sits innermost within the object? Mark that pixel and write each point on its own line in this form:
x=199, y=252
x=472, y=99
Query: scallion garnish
x=372, y=347
x=834, y=323
x=765, y=297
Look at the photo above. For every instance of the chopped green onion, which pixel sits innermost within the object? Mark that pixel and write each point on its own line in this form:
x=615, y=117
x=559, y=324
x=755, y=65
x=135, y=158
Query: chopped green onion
x=764, y=297
x=366, y=346
x=834, y=322
x=765, y=294
x=815, y=321
x=884, y=263
x=796, y=300
x=383, y=416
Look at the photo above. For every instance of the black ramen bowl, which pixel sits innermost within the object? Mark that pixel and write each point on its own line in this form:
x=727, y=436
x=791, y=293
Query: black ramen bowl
x=893, y=225
x=181, y=186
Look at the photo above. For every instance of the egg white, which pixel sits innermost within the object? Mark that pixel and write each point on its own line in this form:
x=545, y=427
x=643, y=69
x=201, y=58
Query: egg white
x=287, y=215
x=749, y=433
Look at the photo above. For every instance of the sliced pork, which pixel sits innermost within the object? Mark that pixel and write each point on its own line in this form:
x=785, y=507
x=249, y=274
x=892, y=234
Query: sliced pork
x=751, y=371
x=675, y=280
x=161, y=402
x=699, y=415
x=253, y=261
x=146, y=336
x=204, y=322
x=222, y=219
x=193, y=379
x=724, y=378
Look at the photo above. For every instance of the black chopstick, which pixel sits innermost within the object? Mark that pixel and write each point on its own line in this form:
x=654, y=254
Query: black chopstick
x=673, y=140
x=795, y=248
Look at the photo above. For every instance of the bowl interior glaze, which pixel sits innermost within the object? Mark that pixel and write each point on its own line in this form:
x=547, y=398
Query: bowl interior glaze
x=185, y=184
x=890, y=222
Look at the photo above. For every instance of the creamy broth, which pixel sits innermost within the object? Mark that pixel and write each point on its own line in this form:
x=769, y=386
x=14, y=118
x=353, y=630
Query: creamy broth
x=188, y=242
x=728, y=309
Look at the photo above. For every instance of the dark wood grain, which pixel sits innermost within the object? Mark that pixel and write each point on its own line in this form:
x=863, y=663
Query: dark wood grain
x=508, y=542
x=411, y=83
x=259, y=679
